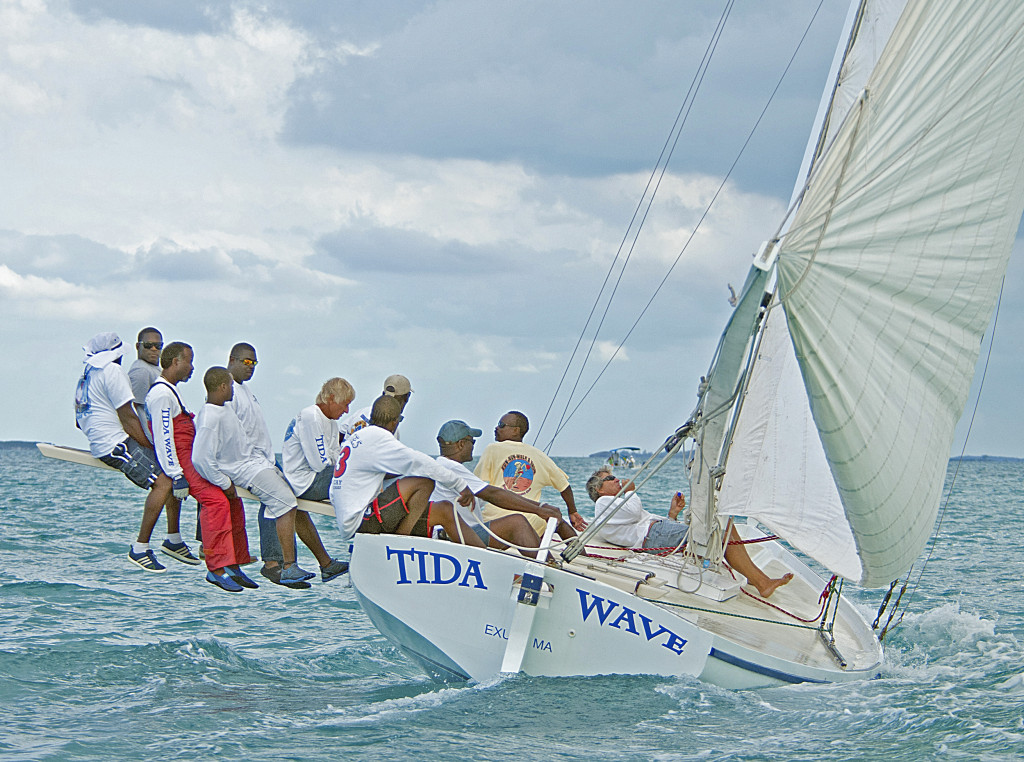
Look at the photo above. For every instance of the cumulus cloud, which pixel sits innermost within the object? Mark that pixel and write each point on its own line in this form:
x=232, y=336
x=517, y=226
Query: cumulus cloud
x=360, y=189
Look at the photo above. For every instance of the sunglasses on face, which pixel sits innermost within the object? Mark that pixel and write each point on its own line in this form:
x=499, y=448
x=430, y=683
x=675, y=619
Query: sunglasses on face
x=151, y=344
x=502, y=425
x=249, y=363
x=609, y=478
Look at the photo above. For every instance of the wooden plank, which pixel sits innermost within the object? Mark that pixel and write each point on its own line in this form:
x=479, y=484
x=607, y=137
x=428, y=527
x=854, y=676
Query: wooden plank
x=83, y=458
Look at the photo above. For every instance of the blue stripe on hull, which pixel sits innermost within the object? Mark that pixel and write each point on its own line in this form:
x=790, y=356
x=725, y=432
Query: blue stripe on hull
x=758, y=669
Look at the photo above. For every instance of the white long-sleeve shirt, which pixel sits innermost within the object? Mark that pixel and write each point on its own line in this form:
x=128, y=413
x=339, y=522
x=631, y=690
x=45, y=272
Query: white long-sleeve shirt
x=247, y=408
x=365, y=458
x=310, y=446
x=222, y=453
x=629, y=525
x=161, y=407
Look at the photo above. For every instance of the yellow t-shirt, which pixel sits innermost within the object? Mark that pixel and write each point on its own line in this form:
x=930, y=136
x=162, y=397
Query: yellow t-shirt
x=519, y=468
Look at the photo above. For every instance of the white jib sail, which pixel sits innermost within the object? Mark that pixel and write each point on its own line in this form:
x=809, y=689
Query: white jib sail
x=891, y=269
x=777, y=469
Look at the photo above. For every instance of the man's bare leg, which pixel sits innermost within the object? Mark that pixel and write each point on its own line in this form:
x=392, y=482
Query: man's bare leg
x=415, y=492
x=515, y=530
x=739, y=560
x=443, y=513
x=306, y=530
x=172, y=508
x=158, y=494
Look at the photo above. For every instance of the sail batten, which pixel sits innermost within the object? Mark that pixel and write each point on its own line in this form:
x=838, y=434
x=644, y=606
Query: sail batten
x=891, y=268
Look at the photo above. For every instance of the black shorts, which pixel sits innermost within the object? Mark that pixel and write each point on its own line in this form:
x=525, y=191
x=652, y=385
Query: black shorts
x=136, y=462
x=388, y=510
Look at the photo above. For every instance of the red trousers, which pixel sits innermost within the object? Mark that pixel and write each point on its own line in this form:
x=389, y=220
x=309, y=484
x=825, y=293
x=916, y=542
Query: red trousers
x=223, y=522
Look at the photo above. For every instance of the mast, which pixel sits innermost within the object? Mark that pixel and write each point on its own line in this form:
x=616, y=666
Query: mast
x=720, y=400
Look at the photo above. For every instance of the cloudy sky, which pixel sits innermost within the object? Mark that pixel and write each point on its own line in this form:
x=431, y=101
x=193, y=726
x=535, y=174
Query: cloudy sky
x=435, y=189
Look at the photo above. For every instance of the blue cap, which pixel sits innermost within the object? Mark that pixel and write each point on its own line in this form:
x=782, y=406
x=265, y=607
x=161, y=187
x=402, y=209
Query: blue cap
x=453, y=431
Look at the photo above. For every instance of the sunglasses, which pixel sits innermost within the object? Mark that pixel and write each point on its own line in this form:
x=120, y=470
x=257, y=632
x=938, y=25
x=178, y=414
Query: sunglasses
x=502, y=425
x=151, y=344
x=249, y=363
x=609, y=478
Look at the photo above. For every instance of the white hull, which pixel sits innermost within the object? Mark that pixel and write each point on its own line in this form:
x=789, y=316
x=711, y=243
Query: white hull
x=454, y=610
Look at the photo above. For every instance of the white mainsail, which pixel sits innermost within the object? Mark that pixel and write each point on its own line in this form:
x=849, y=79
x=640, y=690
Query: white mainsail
x=891, y=269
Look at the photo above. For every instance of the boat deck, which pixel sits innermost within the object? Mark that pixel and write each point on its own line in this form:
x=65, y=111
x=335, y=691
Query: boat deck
x=746, y=620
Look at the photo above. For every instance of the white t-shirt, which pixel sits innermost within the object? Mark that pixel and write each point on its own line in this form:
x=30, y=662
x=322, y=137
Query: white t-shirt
x=472, y=515
x=310, y=445
x=108, y=389
x=222, y=453
x=247, y=408
x=629, y=525
x=359, y=473
x=161, y=408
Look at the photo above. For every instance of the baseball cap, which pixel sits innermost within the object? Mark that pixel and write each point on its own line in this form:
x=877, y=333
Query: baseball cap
x=396, y=385
x=453, y=431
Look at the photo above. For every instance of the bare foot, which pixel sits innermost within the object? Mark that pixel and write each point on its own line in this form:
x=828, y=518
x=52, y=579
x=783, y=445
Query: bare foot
x=773, y=584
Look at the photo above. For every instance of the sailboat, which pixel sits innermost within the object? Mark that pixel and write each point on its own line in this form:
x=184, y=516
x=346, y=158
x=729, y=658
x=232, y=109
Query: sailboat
x=828, y=411
x=624, y=457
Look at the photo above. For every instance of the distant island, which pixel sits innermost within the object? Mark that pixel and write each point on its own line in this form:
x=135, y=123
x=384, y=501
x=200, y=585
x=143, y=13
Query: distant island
x=14, y=444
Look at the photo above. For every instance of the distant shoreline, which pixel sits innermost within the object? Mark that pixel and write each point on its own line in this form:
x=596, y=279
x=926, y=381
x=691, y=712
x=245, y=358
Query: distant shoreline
x=14, y=444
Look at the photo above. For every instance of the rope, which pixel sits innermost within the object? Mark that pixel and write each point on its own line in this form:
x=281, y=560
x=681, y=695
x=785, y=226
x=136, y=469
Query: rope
x=669, y=146
x=693, y=234
x=823, y=598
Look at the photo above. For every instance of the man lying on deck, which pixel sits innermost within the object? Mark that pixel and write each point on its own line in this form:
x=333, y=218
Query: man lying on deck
x=633, y=527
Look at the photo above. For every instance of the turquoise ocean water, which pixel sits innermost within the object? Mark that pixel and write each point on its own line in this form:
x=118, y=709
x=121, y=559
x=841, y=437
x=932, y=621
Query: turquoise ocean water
x=99, y=660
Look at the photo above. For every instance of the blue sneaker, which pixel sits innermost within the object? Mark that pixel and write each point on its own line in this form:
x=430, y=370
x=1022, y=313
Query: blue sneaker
x=239, y=576
x=224, y=582
x=179, y=552
x=293, y=576
x=146, y=560
x=334, y=569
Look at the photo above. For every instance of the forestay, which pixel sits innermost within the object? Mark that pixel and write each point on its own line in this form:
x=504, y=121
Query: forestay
x=891, y=268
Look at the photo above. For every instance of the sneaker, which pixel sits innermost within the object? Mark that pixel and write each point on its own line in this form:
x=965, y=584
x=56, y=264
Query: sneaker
x=333, y=569
x=273, y=573
x=179, y=552
x=224, y=582
x=293, y=576
x=239, y=576
x=146, y=560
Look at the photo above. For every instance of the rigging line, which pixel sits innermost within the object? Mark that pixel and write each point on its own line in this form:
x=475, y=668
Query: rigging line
x=676, y=129
x=700, y=221
x=702, y=72
x=960, y=459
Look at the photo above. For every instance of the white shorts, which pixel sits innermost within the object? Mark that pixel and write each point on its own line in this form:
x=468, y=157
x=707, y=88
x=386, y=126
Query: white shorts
x=273, y=491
